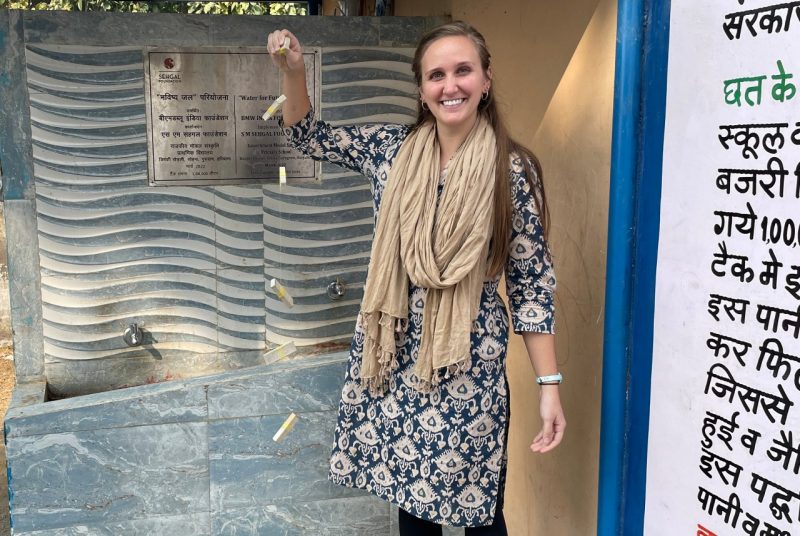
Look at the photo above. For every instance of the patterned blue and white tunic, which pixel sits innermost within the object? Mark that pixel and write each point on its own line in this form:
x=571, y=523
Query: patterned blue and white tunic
x=442, y=455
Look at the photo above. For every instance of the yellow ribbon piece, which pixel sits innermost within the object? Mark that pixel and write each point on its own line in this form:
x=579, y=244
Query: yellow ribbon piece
x=281, y=292
x=285, y=46
x=282, y=175
x=285, y=428
x=280, y=353
x=274, y=107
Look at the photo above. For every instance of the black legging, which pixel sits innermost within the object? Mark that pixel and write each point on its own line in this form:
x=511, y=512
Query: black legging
x=411, y=525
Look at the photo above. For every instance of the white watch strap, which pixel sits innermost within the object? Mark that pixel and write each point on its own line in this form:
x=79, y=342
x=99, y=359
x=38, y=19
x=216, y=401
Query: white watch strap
x=552, y=378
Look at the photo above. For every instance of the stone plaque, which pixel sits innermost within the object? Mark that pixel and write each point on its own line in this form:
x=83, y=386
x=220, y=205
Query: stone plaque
x=204, y=111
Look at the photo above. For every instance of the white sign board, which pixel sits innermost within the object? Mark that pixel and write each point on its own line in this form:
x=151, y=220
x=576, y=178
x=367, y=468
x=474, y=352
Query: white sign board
x=724, y=438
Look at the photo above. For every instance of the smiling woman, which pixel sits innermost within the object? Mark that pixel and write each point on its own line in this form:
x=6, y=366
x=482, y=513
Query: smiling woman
x=423, y=417
x=453, y=83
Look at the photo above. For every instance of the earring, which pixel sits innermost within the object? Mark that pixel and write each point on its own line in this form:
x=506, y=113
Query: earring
x=485, y=95
x=424, y=106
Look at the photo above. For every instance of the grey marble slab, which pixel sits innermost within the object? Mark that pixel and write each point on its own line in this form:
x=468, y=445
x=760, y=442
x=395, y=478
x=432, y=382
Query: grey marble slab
x=353, y=516
x=401, y=31
x=306, y=386
x=276, y=368
x=27, y=394
x=160, y=405
x=198, y=524
x=234, y=393
x=15, y=131
x=116, y=29
x=311, y=31
x=122, y=29
x=248, y=468
x=24, y=289
x=105, y=476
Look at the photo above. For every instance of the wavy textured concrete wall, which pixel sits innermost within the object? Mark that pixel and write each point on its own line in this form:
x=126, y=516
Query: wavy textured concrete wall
x=189, y=264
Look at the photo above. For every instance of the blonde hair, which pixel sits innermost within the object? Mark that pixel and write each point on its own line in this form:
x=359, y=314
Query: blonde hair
x=506, y=146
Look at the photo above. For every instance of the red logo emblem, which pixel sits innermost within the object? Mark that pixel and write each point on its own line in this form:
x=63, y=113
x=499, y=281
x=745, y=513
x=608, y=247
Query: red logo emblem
x=169, y=63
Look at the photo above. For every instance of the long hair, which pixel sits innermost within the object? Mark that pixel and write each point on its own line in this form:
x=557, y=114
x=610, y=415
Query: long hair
x=507, y=147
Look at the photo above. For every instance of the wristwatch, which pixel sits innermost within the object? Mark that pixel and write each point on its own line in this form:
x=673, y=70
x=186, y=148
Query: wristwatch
x=552, y=379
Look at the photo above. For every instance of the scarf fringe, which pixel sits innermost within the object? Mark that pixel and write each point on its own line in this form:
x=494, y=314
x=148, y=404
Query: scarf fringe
x=383, y=346
x=378, y=383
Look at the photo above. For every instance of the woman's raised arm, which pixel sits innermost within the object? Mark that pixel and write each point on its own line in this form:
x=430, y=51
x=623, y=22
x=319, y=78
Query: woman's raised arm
x=290, y=61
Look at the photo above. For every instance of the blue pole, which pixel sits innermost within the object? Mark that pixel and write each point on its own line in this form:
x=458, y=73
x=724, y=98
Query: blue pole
x=619, y=266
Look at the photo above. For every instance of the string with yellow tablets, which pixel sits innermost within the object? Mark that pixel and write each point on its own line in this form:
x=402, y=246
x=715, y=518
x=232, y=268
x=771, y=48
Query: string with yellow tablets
x=284, y=350
x=276, y=105
x=279, y=289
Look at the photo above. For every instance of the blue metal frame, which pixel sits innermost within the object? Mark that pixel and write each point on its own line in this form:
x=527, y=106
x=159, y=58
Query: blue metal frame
x=619, y=266
x=637, y=144
x=648, y=219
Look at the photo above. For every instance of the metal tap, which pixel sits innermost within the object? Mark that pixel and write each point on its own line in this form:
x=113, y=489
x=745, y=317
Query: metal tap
x=133, y=335
x=336, y=289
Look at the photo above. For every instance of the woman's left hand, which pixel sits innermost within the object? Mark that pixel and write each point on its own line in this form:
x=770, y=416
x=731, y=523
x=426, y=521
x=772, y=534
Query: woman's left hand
x=553, y=421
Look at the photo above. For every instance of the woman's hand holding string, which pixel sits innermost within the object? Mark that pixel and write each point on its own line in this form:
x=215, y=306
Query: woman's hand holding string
x=287, y=55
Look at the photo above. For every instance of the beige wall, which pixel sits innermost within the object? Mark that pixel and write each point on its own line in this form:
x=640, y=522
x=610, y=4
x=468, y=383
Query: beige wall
x=574, y=144
x=554, y=63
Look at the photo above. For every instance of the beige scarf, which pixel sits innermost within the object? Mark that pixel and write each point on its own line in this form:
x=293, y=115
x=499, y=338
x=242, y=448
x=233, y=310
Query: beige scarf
x=442, y=249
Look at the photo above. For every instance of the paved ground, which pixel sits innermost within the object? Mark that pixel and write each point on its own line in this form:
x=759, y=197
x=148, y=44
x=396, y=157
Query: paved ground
x=6, y=385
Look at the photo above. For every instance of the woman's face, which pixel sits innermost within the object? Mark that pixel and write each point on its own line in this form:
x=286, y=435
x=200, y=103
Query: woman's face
x=453, y=81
